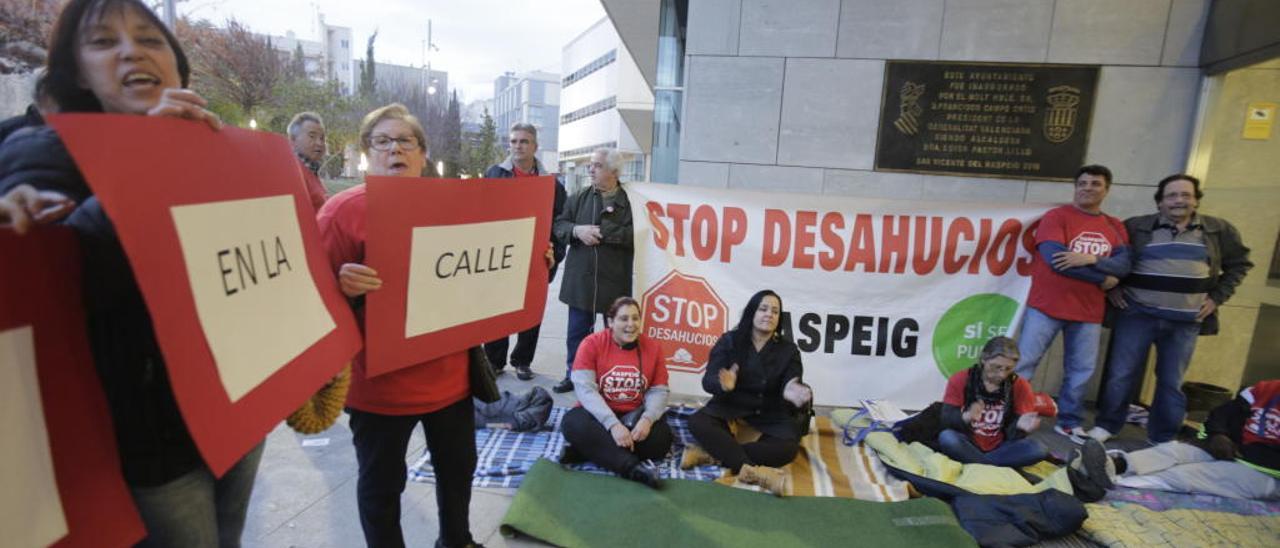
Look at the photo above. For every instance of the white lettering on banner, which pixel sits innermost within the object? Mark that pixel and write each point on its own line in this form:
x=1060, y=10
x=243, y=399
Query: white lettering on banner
x=463, y=273
x=30, y=507
x=884, y=298
x=255, y=298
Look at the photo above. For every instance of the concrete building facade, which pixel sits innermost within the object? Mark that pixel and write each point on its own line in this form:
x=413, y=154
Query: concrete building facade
x=786, y=96
x=328, y=58
x=532, y=98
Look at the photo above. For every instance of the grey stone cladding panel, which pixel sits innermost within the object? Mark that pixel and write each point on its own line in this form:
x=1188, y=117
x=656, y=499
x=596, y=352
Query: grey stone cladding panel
x=789, y=28
x=900, y=29
x=708, y=174
x=1108, y=32
x=1143, y=120
x=830, y=111
x=713, y=27
x=776, y=178
x=732, y=106
x=997, y=30
x=1186, y=32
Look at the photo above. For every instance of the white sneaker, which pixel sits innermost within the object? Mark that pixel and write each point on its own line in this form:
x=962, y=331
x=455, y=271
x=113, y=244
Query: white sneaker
x=1075, y=433
x=1099, y=433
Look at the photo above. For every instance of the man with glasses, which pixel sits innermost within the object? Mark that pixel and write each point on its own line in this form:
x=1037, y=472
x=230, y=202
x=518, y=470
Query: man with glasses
x=1185, y=265
x=522, y=163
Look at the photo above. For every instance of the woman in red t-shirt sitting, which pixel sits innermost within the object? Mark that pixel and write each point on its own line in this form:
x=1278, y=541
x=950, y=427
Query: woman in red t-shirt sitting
x=621, y=384
x=987, y=411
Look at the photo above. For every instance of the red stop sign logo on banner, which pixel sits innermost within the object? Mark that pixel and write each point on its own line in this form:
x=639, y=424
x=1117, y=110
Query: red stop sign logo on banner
x=685, y=316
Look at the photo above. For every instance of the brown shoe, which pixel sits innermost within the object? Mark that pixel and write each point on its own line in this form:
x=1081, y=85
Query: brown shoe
x=694, y=456
x=773, y=480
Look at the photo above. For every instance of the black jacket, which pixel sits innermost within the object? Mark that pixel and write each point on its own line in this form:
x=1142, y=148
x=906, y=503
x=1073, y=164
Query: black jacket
x=505, y=171
x=1228, y=258
x=757, y=397
x=596, y=275
x=154, y=444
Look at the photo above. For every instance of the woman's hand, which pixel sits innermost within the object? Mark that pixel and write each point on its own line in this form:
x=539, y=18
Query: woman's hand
x=622, y=436
x=976, y=409
x=641, y=431
x=1029, y=422
x=356, y=279
x=550, y=255
x=797, y=393
x=184, y=103
x=729, y=378
x=24, y=205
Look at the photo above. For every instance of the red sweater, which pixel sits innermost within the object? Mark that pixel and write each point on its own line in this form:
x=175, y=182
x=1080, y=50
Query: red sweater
x=422, y=388
x=623, y=375
x=1063, y=297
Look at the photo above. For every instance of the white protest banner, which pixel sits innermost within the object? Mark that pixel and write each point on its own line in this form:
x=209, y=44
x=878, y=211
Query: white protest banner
x=885, y=298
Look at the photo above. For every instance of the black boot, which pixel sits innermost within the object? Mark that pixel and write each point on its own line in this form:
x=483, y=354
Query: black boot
x=645, y=474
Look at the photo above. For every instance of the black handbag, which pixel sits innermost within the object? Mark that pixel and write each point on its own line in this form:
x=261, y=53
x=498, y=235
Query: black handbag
x=484, y=382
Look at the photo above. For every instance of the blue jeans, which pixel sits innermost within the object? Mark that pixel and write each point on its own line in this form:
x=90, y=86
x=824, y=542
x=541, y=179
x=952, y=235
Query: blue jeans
x=581, y=323
x=1016, y=453
x=1133, y=334
x=198, y=509
x=1080, y=358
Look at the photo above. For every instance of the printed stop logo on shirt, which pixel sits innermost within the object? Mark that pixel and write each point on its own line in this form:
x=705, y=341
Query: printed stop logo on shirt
x=989, y=422
x=1091, y=243
x=622, y=383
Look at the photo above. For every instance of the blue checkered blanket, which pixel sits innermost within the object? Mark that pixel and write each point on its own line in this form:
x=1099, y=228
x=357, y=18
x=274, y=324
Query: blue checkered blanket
x=504, y=456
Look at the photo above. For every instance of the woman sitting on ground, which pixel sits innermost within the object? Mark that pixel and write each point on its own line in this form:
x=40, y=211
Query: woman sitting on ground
x=621, y=384
x=753, y=375
x=987, y=411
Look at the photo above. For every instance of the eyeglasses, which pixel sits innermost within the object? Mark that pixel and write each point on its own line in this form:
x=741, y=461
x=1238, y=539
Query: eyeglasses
x=383, y=143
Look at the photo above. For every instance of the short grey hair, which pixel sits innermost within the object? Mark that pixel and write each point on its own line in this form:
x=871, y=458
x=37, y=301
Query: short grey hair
x=295, y=125
x=525, y=127
x=613, y=159
x=1000, y=346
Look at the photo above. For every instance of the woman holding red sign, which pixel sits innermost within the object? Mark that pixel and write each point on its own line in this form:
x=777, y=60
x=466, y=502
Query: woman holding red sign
x=754, y=377
x=116, y=56
x=385, y=410
x=621, y=383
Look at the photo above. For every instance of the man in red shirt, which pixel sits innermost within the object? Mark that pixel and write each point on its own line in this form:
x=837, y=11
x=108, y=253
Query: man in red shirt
x=1082, y=252
x=987, y=411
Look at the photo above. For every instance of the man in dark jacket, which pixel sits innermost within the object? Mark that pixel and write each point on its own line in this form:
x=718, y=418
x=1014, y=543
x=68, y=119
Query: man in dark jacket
x=522, y=163
x=1185, y=265
x=596, y=223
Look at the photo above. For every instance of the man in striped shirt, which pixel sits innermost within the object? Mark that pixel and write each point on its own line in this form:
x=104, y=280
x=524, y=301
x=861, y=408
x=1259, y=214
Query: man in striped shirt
x=1185, y=265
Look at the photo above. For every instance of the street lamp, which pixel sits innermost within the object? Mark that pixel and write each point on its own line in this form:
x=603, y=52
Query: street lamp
x=253, y=123
x=363, y=166
x=440, y=168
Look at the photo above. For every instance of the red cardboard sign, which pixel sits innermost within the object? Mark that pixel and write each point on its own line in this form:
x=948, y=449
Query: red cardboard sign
x=224, y=246
x=461, y=262
x=40, y=305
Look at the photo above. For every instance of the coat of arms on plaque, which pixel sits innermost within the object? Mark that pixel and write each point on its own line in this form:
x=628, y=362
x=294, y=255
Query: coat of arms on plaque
x=1060, y=118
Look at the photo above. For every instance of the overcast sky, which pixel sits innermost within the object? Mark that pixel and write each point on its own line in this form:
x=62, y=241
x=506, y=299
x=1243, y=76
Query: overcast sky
x=478, y=40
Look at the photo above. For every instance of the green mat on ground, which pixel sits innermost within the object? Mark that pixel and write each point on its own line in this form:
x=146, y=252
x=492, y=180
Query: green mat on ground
x=579, y=509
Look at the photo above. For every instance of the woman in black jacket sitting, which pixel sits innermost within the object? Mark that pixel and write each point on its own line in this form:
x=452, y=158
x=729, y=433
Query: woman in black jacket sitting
x=754, y=376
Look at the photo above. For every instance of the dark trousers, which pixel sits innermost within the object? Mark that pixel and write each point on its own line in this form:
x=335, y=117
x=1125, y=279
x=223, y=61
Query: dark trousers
x=588, y=437
x=713, y=434
x=526, y=344
x=581, y=323
x=381, y=442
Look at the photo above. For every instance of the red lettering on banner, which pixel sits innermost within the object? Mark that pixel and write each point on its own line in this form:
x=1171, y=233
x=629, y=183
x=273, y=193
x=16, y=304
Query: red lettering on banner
x=1004, y=248
x=924, y=261
x=805, y=223
x=734, y=233
x=679, y=213
x=777, y=238
x=894, y=243
x=984, y=237
x=704, y=233
x=834, y=255
x=862, y=245
x=951, y=262
x=660, y=234
x=1028, y=244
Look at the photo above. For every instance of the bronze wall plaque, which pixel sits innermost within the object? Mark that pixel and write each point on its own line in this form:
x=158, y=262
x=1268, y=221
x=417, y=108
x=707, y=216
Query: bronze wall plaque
x=989, y=119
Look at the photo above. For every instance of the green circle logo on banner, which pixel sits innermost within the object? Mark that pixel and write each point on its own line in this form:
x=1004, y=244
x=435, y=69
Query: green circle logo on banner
x=966, y=326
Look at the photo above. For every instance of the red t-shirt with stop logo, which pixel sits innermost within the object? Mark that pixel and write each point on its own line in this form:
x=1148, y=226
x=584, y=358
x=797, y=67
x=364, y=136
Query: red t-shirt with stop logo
x=1063, y=297
x=622, y=375
x=988, y=428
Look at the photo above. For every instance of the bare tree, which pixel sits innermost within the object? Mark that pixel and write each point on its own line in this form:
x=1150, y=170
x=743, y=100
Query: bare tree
x=233, y=64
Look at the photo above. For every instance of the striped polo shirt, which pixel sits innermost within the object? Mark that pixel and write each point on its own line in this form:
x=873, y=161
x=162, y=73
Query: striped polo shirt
x=1170, y=276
